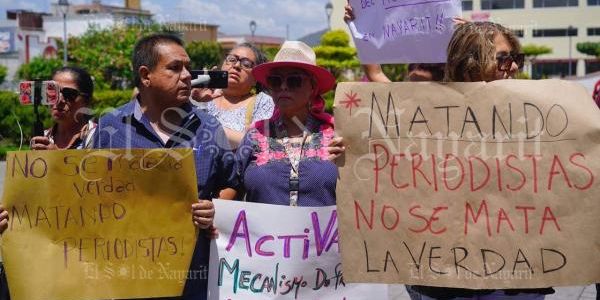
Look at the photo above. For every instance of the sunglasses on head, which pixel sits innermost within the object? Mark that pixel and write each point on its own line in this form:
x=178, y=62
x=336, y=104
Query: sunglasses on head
x=70, y=94
x=505, y=61
x=292, y=82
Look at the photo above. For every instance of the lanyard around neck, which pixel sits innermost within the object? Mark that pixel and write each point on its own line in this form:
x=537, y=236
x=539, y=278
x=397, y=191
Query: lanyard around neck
x=294, y=158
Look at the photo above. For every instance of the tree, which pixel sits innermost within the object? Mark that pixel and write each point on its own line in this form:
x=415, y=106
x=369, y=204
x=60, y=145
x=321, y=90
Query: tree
x=17, y=120
x=204, y=54
x=106, y=53
x=270, y=52
x=335, y=53
x=39, y=68
x=531, y=52
x=395, y=72
x=589, y=48
x=3, y=73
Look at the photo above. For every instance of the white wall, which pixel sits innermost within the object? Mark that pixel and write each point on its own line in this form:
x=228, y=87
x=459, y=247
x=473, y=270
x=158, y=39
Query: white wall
x=76, y=24
x=12, y=63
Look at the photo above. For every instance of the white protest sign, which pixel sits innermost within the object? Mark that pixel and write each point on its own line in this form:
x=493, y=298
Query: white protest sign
x=273, y=251
x=403, y=31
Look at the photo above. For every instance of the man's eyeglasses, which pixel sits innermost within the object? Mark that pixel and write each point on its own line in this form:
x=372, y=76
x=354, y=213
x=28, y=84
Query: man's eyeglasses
x=293, y=81
x=246, y=63
x=505, y=61
x=70, y=94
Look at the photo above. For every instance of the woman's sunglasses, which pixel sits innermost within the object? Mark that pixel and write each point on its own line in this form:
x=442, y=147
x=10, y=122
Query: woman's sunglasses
x=294, y=81
x=505, y=61
x=70, y=94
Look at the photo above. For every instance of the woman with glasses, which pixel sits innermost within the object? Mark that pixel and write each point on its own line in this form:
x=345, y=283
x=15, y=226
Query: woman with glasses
x=241, y=104
x=285, y=160
x=73, y=126
x=481, y=51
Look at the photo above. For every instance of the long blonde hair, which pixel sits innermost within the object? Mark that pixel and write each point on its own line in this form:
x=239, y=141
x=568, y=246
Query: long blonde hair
x=472, y=53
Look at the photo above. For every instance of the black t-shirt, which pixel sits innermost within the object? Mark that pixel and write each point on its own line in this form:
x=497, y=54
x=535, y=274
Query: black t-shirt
x=445, y=293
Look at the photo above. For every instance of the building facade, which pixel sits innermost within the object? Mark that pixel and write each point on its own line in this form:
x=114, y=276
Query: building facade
x=192, y=32
x=229, y=41
x=83, y=16
x=558, y=24
x=22, y=38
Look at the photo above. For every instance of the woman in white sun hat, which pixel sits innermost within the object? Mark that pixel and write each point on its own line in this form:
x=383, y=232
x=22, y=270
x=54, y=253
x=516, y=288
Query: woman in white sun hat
x=285, y=160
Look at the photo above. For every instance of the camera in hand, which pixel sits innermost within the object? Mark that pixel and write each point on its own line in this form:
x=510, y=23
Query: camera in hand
x=213, y=79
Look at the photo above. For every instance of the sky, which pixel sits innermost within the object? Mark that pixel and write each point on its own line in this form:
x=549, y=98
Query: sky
x=233, y=17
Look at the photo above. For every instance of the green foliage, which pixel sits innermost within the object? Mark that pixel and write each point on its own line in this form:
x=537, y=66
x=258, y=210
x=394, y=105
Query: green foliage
x=5, y=148
x=341, y=55
x=18, y=119
x=39, y=68
x=270, y=52
x=329, y=97
x=589, y=48
x=204, y=54
x=15, y=115
x=395, y=72
x=106, y=53
x=335, y=53
x=532, y=50
x=522, y=75
x=3, y=73
x=335, y=38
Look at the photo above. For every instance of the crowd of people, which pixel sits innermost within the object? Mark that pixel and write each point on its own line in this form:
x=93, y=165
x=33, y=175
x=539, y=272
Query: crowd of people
x=275, y=143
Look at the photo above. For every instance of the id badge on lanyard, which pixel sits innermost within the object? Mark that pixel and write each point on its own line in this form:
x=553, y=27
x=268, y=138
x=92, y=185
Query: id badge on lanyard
x=294, y=184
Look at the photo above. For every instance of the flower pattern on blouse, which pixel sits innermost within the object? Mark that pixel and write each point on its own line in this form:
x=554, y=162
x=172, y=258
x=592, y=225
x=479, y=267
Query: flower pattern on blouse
x=235, y=118
x=269, y=149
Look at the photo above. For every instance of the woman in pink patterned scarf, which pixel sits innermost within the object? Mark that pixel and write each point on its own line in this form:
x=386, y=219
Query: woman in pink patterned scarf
x=285, y=160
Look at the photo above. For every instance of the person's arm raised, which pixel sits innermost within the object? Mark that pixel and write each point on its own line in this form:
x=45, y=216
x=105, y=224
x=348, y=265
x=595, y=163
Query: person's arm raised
x=373, y=71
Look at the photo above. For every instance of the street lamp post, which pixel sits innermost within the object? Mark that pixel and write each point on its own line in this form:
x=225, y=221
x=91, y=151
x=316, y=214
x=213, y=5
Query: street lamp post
x=328, y=11
x=64, y=8
x=570, y=46
x=252, y=29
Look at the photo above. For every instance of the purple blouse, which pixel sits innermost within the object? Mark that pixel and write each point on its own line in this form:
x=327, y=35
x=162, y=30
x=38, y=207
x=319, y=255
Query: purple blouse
x=265, y=168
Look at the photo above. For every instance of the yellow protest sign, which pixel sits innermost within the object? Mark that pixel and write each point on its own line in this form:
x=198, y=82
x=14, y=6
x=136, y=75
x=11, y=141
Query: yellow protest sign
x=98, y=224
x=469, y=185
